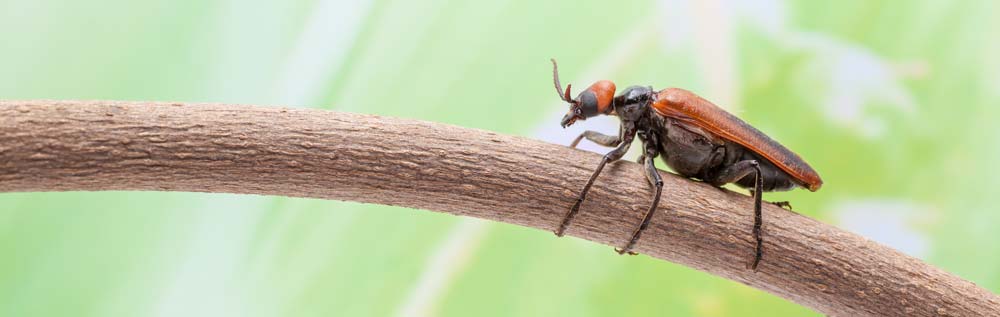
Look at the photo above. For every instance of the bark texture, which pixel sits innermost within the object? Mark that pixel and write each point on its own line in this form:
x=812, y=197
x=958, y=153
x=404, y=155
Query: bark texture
x=104, y=145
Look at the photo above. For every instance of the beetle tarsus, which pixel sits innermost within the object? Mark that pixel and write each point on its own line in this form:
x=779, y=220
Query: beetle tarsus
x=782, y=204
x=569, y=216
x=621, y=251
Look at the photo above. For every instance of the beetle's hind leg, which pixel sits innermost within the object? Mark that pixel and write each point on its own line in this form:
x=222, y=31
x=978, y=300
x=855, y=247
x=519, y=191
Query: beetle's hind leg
x=734, y=173
x=654, y=178
x=757, y=217
x=596, y=137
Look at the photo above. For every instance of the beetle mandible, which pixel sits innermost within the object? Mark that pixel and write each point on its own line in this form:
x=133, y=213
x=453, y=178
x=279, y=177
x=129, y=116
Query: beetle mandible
x=696, y=139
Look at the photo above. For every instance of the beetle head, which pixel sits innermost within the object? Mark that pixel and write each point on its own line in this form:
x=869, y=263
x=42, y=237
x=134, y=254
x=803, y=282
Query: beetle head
x=595, y=100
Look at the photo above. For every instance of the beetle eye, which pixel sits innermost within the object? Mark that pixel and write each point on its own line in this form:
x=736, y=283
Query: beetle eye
x=588, y=104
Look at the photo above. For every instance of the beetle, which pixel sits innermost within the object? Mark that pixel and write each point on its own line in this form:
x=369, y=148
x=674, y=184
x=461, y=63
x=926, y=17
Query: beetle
x=695, y=138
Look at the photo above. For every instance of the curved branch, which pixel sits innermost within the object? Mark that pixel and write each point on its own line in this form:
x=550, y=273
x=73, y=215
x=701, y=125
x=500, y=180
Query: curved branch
x=102, y=145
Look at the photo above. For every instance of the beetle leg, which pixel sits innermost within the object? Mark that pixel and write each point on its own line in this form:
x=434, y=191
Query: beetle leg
x=782, y=204
x=596, y=137
x=656, y=181
x=628, y=133
x=757, y=217
x=734, y=173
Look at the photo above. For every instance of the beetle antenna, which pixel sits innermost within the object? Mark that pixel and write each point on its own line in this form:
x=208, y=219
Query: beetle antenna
x=555, y=80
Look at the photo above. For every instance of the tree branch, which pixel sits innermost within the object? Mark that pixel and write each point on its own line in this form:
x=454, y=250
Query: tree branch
x=90, y=146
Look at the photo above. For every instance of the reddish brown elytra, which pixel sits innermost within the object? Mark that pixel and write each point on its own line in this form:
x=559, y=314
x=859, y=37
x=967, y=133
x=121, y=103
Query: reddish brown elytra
x=684, y=105
x=696, y=138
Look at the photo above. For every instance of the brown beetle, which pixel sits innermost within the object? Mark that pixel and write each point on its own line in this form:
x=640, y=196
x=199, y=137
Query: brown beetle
x=696, y=138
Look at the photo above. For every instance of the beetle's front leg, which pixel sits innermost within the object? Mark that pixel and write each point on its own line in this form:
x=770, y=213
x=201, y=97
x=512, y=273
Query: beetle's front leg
x=628, y=133
x=597, y=137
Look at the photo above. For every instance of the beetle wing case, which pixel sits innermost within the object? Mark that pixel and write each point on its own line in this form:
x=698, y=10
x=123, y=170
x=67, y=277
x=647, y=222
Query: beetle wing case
x=688, y=107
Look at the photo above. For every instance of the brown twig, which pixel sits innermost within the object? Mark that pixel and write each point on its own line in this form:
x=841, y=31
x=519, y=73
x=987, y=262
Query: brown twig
x=83, y=145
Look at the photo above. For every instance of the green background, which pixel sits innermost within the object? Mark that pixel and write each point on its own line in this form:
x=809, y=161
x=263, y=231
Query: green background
x=895, y=103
